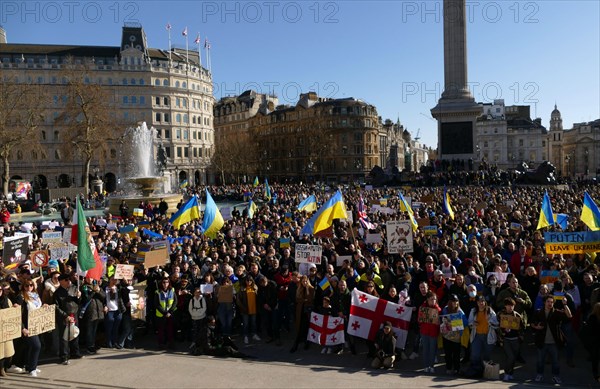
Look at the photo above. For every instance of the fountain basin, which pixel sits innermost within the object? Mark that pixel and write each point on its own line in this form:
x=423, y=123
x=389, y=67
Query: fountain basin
x=132, y=201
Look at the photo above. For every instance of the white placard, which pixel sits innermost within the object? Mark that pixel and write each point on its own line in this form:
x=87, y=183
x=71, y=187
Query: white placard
x=341, y=258
x=123, y=272
x=206, y=288
x=52, y=236
x=373, y=238
x=25, y=235
x=349, y=217
x=399, y=236
x=306, y=253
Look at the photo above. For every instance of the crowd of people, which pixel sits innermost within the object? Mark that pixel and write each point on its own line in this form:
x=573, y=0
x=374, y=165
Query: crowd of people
x=247, y=283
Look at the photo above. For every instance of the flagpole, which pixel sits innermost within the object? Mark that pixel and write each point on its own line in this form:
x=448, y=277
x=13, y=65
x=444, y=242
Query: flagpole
x=187, y=59
x=169, y=30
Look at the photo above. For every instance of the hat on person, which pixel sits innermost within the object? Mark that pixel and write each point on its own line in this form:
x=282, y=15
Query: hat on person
x=429, y=259
x=165, y=275
x=438, y=272
x=334, y=278
x=64, y=277
x=480, y=298
x=453, y=297
x=52, y=273
x=387, y=324
x=53, y=263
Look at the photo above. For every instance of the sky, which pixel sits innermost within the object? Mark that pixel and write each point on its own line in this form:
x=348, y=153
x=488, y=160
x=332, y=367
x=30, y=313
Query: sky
x=387, y=53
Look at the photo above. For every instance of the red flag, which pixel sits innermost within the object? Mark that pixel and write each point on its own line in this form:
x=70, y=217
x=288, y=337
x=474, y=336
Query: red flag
x=326, y=330
x=368, y=313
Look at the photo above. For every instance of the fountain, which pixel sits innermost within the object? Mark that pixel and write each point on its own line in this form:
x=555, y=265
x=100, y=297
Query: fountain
x=143, y=173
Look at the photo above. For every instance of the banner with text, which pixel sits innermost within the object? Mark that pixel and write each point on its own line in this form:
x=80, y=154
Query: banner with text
x=572, y=242
x=306, y=253
x=42, y=320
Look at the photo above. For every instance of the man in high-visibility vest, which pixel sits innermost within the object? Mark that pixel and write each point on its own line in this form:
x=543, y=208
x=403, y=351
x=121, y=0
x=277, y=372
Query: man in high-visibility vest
x=165, y=302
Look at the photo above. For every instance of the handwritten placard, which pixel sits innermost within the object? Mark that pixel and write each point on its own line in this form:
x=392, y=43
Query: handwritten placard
x=339, y=261
x=206, y=288
x=428, y=315
x=123, y=272
x=306, y=253
x=10, y=323
x=42, y=320
x=510, y=322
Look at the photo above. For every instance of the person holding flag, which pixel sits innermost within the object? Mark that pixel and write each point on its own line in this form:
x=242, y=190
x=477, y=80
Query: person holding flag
x=546, y=216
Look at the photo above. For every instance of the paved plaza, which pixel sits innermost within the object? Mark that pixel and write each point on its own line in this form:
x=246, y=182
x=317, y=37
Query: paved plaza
x=269, y=367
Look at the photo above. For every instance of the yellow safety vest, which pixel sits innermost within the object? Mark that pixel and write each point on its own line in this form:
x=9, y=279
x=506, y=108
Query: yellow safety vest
x=165, y=302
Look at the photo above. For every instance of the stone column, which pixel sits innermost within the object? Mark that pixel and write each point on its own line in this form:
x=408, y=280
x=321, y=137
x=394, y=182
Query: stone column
x=455, y=51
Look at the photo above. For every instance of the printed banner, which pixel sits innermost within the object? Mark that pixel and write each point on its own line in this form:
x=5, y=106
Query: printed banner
x=138, y=301
x=430, y=230
x=42, y=320
x=572, y=242
x=399, y=236
x=451, y=322
x=39, y=258
x=306, y=253
x=10, y=324
x=510, y=322
x=52, y=236
x=14, y=251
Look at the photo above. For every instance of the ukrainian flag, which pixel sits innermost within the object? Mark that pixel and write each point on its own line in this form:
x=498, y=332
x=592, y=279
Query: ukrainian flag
x=334, y=208
x=324, y=284
x=309, y=204
x=590, y=214
x=213, y=220
x=190, y=211
x=447, y=204
x=252, y=208
x=562, y=219
x=546, y=215
x=255, y=184
x=267, y=190
x=404, y=206
x=183, y=184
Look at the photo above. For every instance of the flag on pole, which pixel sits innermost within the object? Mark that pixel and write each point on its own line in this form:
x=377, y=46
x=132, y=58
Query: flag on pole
x=334, y=208
x=326, y=330
x=546, y=216
x=168, y=27
x=448, y=204
x=190, y=211
x=404, y=206
x=197, y=40
x=309, y=204
x=87, y=255
x=255, y=183
x=590, y=214
x=267, y=190
x=213, y=220
x=206, y=43
x=368, y=313
x=251, y=209
x=184, y=32
x=324, y=284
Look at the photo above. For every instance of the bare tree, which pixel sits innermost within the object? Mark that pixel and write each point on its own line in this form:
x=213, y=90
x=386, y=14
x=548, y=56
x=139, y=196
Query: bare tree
x=87, y=118
x=20, y=117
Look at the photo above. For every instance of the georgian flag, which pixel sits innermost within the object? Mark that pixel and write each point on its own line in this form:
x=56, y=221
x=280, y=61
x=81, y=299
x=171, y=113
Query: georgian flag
x=197, y=40
x=326, y=330
x=368, y=313
x=184, y=33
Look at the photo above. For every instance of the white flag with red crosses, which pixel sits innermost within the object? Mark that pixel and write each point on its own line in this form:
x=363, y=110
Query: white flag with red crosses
x=368, y=313
x=326, y=330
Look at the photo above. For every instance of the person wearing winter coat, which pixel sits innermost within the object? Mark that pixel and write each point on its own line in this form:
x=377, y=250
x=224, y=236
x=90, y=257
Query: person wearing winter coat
x=483, y=323
x=197, y=309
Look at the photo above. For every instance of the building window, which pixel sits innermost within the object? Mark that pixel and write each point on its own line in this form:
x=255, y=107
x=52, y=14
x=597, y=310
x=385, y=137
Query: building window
x=124, y=81
x=186, y=134
x=178, y=134
x=133, y=100
x=133, y=81
x=125, y=99
x=56, y=135
x=177, y=84
x=43, y=135
x=186, y=153
x=168, y=134
x=520, y=142
x=184, y=85
x=142, y=100
x=57, y=154
x=179, y=152
x=141, y=81
x=178, y=118
x=165, y=82
x=157, y=100
x=157, y=82
x=166, y=101
x=166, y=118
x=158, y=116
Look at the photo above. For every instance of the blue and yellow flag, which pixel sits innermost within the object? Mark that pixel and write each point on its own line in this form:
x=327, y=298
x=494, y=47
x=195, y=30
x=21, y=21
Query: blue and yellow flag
x=252, y=208
x=190, y=211
x=213, y=220
x=334, y=208
x=256, y=183
x=183, y=184
x=267, y=190
x=309, y=204
x=404, y=206
x=447, y=204
x=546, y=215
x=590, y=214
x=284, y=243
x=562, y=219
x=324, y=284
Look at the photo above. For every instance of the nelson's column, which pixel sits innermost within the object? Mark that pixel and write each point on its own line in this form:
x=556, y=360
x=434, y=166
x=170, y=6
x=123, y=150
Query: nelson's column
x=456, y=111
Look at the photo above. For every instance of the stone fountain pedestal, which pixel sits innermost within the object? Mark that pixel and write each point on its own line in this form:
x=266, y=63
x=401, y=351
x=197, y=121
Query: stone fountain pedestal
x=147, y=185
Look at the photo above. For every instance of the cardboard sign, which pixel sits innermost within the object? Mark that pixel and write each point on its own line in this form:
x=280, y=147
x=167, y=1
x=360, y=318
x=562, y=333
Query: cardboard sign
x=549, y=276
x=510, y=322
x=42, y=320
x=153, y=258
x=52, y=236
x=481, y=205
x=67, y=232
x=10, y=323
x=349, y=217
x=306, y=253
x=225, y=294
x=423, y=222
x=515, y=226
x=123, y=272
x=428, y=315
x=138, y=212
x=399, y=236
x=59, y=251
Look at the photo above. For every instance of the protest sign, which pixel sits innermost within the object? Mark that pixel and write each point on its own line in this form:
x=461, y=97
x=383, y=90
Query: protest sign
x=399, y=236
x=123, y=272
x=52, y=237
x=549, y=276
x=501, y=277
x=428, y=315
x=430, y=230
x=306, y=253
x=39, y=258
x=206, y=288
x=10, y=323
x=451, y=322
x=138, y=301
x=153, y=258
x=510, y=322
x=572, y=242
x=373, y=238
x=14, y=251
x=341, y=258
x=59, y=251
x=42, y=320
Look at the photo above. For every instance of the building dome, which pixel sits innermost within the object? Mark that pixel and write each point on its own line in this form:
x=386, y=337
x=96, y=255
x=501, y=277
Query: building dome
x=555, y=113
